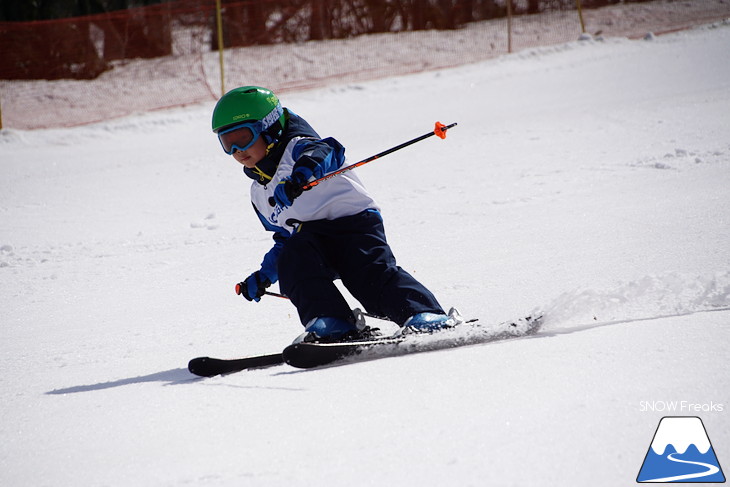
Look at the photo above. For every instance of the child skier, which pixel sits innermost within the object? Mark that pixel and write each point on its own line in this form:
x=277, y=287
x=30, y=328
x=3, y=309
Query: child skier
x=332, y=231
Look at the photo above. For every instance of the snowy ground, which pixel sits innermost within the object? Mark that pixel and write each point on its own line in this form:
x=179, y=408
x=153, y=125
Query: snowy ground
x=590, y=181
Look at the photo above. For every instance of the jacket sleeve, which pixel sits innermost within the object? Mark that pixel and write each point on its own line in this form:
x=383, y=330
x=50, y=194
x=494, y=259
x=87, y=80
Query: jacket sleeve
x=316, y=158
x=270, y=264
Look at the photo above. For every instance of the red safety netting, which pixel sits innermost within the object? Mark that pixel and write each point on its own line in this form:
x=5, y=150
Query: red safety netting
x=85, y=69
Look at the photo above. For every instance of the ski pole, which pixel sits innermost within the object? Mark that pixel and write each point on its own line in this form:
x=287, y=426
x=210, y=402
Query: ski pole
x=239, y=291
x=278, y=295
x=439, y=130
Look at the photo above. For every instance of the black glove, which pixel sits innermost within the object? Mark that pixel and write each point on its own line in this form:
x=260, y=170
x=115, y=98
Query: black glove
x=289, y=189
x=254, y=286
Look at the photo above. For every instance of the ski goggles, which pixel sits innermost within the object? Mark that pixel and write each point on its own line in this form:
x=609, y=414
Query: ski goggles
x=239, y=137
x=245, y=134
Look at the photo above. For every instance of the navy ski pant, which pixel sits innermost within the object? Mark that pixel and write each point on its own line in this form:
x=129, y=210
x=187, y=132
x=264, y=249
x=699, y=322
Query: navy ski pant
x=354, y=249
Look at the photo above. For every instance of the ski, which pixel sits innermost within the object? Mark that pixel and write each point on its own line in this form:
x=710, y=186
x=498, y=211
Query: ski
x=307, y=355
x=315, y=354
x=209, y=367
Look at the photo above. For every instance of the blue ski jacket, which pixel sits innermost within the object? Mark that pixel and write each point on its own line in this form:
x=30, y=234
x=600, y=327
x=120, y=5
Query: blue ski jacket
x=300, y=150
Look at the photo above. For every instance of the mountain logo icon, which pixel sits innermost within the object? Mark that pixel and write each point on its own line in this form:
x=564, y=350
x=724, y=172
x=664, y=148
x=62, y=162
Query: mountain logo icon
x=680, y=452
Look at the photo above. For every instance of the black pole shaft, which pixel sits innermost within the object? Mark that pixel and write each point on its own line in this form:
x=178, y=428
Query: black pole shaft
x=331, y=175
x=314, y=183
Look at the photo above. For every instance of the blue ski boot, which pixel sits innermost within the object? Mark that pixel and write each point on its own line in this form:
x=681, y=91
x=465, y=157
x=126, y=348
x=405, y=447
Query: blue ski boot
x=431, y=322
x=327, y=329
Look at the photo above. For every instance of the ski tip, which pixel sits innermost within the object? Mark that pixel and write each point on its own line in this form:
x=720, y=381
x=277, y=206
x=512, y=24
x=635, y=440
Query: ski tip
x=200, y=366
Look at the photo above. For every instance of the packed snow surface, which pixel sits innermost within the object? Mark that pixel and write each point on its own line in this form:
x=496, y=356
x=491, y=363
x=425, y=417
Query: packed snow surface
x=589, y=182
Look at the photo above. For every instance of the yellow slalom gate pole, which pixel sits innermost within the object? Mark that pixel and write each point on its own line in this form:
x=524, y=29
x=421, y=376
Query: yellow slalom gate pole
x=580, y=16
x=509, y=26
x=219, y=23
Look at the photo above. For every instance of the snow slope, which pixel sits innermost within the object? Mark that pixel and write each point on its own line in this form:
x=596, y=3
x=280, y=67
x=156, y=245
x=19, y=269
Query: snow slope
x=590, y=181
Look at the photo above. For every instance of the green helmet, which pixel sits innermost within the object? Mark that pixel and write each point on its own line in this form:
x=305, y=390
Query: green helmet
x=248, y=104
